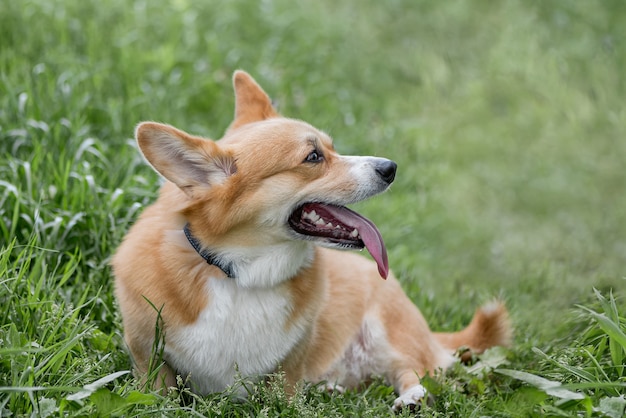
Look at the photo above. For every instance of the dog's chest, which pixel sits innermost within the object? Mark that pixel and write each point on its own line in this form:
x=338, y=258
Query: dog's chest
x=241, y=330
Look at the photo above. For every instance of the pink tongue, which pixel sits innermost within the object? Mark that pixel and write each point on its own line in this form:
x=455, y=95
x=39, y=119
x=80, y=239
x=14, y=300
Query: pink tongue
x=369, y=234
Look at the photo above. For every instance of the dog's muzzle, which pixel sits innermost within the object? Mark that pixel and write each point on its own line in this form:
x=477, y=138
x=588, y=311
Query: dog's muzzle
x=386, y=170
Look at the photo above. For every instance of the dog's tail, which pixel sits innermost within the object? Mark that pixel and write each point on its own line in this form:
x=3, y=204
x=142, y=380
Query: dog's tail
x=490, y=326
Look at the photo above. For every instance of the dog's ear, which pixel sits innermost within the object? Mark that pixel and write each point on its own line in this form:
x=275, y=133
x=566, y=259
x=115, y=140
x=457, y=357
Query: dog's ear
x=192, y=163
x=252, y=104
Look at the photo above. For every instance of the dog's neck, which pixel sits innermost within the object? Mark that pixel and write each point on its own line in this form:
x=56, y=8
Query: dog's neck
x=209, y=257
x=260, y=267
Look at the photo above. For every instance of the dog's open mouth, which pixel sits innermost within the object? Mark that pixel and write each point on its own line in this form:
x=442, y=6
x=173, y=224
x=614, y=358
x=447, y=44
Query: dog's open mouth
x=341, y=227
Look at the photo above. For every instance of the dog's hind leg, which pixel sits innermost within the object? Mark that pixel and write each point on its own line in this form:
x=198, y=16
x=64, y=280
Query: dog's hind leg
x=414, y=352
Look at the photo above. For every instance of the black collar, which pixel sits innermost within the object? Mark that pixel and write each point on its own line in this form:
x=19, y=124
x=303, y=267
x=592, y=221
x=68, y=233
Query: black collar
x=208, y=256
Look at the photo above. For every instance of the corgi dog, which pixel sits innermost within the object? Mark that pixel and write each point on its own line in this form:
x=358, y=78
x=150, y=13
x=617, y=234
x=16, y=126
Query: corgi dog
x=240, y=260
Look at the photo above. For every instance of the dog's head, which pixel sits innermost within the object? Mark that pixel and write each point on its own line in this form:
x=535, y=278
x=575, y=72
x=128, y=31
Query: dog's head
x=269, y=180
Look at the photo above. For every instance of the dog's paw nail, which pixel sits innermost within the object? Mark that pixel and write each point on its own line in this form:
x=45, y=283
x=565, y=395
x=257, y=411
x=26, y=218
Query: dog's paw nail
x=411, y=399
x=413, y=407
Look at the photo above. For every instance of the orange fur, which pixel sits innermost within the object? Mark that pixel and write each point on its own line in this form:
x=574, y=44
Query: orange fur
x=316, y=313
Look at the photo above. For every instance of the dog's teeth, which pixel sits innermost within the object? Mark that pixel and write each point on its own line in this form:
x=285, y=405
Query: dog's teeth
x=320, y=222
x=329, y=225
x=312, y=216
x=354, y=233
x=338, y=227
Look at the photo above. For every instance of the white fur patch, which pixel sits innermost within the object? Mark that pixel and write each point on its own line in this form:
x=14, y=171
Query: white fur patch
x=368, y=354
x=363, y=169
x=241, y=330
x=412, y=396
x=268, y=266
x=491, y=307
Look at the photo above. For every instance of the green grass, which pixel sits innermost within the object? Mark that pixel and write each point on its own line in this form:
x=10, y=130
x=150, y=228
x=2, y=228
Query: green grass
x=506, y=120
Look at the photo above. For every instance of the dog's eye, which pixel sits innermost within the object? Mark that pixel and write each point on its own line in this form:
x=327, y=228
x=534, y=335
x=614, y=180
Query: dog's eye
x=314, y=157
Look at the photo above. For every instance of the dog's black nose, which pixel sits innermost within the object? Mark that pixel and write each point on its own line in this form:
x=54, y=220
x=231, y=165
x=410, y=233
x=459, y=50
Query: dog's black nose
x=386, y=169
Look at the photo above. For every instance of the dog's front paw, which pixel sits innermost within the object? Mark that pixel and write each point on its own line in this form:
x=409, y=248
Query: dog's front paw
x=332, y=388
x=411, y=399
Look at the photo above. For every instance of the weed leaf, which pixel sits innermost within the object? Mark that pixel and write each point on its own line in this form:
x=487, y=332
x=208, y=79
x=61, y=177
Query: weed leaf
x=92, y=387
x=550, y=387
x=613, y=407
x=107, y=402
x=489, y=360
